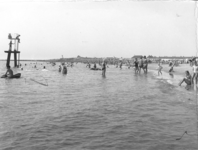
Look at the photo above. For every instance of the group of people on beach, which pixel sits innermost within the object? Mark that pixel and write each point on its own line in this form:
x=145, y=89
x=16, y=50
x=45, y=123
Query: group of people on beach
x=188, y=79
x=159, y=69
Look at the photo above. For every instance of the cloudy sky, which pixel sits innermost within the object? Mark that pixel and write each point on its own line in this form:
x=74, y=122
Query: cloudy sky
x=50, y=29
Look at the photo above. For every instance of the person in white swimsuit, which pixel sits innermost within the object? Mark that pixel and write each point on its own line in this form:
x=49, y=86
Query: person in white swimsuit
x=195, y=72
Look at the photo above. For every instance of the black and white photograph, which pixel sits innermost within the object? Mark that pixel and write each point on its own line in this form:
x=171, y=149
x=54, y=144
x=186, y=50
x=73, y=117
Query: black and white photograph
x=98, y=75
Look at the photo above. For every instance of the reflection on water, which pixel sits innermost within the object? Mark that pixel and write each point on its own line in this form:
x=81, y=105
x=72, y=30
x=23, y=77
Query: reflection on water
x=83, y=110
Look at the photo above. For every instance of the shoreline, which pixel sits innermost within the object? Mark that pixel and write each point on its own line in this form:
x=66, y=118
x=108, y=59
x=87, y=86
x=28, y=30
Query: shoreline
x=178, y=70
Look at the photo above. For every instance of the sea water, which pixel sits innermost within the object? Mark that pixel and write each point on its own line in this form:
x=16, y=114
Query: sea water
x=85, y=111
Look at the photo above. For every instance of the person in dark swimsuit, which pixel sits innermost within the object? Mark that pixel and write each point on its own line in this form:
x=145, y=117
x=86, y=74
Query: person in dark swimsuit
x=103, y=69
x=120, y=65
x=136, y=65
x=95, y=66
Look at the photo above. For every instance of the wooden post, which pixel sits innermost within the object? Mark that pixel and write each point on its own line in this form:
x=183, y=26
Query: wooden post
x=8, y=59
x=18, y=41
x=9, y=54
x=15, y=58
x=19, y=59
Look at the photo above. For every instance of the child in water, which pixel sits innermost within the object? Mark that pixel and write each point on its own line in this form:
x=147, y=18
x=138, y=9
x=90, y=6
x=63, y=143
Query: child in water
x=159, y=69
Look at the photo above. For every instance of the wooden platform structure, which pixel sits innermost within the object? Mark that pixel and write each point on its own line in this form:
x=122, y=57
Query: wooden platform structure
x=15, y=51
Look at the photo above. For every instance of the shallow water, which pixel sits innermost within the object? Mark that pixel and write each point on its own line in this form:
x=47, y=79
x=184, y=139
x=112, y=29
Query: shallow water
x=83, y=110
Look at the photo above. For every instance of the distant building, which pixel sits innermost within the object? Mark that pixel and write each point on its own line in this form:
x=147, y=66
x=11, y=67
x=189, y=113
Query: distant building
x=137, y=56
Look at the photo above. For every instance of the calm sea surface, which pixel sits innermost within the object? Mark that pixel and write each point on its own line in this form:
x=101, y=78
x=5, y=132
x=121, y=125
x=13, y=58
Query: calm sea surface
x=84, y=111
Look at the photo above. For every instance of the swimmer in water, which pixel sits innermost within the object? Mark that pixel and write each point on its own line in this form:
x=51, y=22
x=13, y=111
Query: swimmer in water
x=9, y=72
x=187, y=80
x=159, y=69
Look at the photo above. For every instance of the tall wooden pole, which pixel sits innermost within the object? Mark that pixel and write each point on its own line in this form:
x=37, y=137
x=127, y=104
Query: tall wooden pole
x=15, y=58
x=9, y=54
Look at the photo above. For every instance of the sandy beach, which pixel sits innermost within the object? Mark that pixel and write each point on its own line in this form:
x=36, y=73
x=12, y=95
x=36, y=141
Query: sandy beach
x=178, y=70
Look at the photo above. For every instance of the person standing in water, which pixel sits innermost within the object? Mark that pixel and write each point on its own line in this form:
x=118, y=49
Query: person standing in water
x=59, y=69
x=136, y=66
x=63, y=69
x=195, y=72
x=145, y=65
x=88, y=65
x=104, y=69
x=95, y=66
x=171, y=69
x=159, y=68
x=121, y=65
x=140, y=64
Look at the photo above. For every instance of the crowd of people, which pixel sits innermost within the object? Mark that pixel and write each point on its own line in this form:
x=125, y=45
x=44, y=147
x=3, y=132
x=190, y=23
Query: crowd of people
x=138, y=64
x=141, y=64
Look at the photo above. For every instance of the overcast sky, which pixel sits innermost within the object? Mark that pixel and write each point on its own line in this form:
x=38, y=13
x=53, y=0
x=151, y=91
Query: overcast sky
x=99, y=29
